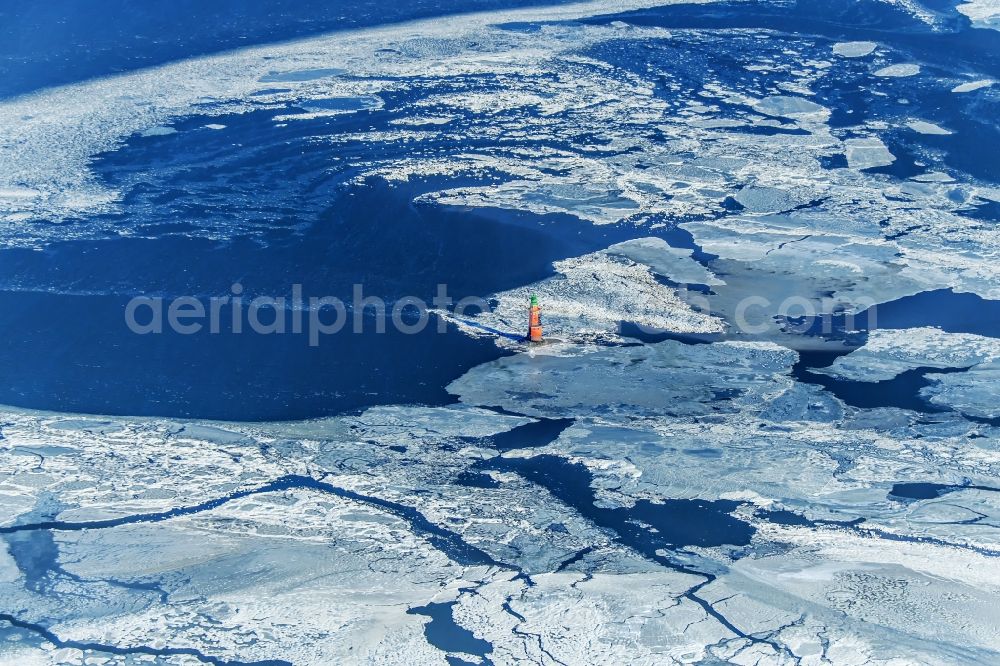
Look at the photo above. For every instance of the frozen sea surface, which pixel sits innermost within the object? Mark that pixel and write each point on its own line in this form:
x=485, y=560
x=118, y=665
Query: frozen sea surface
x=674, y=478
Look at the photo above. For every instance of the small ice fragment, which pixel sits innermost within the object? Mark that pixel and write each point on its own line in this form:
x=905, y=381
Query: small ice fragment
x=972, y=85
x=215, y=126
x=933, y=177
x=907, y=69
x=342, y=104
x=854, y=49
x=715, y=123
x=423, y=120
x=787, y=106
x=300, y=75
x=158, y=131
x=924, y=127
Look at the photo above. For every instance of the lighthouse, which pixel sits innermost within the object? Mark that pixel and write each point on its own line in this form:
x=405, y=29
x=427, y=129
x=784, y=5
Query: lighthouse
x=534, y=320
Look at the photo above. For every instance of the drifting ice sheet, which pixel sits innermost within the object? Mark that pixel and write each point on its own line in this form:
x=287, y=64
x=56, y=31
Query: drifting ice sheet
x=887, y=353
x=896, y=71
x=867, y=153
x=924, y=127
x=854, y=49
x=972, y=85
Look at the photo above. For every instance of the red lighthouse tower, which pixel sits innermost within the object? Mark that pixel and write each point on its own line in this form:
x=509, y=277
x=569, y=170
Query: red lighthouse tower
x=534, y=321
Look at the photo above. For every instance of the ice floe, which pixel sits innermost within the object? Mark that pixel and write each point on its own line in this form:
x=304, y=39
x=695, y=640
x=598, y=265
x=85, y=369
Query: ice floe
x=766, y=199
x=158, y=131
x=889, y=352
x=972, y=85
x=867, y=153
x=854, y=49
x=802, y=256
x=564, y=380
x=924, y=127
x=975, y=392
x=592, y=294
x=792, y=107
x=934, y=177
x=900, y=70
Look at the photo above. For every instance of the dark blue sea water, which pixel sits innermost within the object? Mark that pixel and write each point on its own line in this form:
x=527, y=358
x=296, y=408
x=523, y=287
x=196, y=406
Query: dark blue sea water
x=921, y=491
x=447, y=635
x=280, y=212
x=68, y=346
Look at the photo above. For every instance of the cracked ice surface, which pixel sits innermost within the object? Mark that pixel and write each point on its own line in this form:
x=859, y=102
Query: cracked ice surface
x=310, y=541
x=415, y=505
x=560, y=381
x=317, y=576
x=831, y=463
